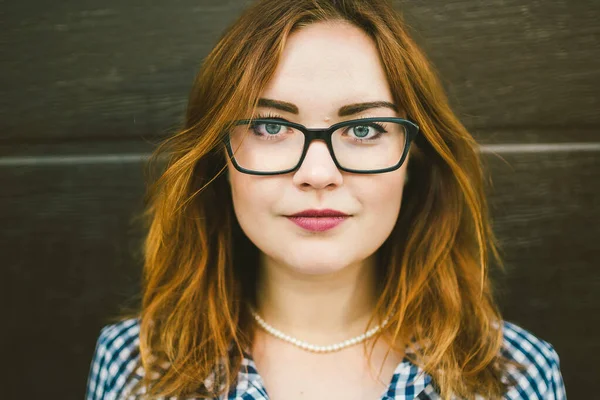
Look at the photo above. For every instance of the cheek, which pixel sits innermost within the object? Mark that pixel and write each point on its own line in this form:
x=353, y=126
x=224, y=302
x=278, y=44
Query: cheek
x=384, y=190
x=245, y=197
x=381, y=197
x=253, y=198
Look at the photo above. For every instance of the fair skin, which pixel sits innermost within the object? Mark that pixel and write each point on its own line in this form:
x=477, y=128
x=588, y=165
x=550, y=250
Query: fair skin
x=319, y=287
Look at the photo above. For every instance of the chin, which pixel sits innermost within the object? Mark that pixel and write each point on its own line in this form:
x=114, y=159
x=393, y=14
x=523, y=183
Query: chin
x=316, y=263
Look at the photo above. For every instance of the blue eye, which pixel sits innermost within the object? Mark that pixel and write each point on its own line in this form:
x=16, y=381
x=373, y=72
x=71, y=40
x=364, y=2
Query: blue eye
x=267, y=130
x=366, y=132
x=360, y=131
x=273, y=129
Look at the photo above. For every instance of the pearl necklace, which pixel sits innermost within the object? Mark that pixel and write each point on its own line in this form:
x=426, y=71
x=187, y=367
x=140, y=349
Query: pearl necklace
x=314, y=348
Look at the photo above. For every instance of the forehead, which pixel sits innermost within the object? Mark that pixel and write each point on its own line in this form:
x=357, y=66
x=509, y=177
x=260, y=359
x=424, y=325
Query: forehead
x=326, y=65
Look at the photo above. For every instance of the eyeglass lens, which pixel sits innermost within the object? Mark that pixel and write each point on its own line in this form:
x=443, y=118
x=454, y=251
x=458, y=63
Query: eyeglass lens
x=272, y=147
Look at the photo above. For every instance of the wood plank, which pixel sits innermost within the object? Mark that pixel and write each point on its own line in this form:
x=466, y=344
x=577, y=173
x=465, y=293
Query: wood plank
x=69, y=250
x=119, y=69
x=515, y=65
x=545, y=208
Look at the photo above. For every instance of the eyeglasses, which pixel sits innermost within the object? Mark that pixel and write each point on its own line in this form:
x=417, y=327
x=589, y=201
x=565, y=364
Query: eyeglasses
x=363, y=146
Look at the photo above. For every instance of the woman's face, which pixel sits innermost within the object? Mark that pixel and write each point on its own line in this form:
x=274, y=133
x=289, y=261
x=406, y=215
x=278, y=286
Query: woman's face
x=324, y=67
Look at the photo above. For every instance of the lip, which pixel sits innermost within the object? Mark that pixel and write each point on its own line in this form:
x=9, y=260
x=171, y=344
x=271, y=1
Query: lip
x=319, y=213
x=318, y=220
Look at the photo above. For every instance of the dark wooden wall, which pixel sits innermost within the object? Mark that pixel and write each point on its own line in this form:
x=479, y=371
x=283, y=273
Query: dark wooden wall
x=88, y=86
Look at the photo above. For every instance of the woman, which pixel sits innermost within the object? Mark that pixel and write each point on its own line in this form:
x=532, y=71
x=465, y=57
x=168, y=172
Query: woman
x=320, y=230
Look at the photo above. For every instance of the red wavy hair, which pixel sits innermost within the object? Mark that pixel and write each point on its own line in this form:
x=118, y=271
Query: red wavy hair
x=200, y=269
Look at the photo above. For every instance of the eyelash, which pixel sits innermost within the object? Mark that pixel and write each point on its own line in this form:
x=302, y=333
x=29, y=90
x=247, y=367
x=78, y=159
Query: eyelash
x=269, y=115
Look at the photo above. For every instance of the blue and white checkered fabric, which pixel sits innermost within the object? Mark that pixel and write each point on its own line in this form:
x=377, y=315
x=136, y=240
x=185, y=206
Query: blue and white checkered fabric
x=115, y=370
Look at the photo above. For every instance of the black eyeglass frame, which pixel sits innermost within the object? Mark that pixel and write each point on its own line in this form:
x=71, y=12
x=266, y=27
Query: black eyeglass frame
x=325, y=134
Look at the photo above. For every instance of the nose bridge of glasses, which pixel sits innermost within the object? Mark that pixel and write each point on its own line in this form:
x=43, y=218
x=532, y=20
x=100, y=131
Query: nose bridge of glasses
x=318, y=135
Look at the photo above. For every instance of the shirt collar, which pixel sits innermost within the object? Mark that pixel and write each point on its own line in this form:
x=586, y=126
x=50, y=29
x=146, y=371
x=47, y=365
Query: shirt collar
x=407, y=382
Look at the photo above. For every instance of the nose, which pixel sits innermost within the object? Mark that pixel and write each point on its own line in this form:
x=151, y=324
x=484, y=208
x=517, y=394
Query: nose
x=318, y=170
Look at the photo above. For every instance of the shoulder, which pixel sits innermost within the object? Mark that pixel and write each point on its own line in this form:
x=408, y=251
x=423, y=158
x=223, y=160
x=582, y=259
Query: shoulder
x=540, y=377
x=115, y=359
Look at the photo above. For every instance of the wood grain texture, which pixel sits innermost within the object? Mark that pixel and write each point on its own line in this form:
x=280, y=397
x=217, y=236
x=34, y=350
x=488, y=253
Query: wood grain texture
x=116, y=69
x=513, y=64
x=73, y=68
x=546, y=208
x=70, y=253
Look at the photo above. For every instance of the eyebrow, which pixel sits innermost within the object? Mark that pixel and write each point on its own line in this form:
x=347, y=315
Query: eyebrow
x=346, y=110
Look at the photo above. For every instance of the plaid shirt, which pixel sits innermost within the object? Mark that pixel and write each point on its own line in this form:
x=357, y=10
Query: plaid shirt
x=115, y=370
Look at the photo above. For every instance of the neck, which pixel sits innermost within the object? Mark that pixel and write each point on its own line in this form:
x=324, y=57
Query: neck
x=320, y=309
